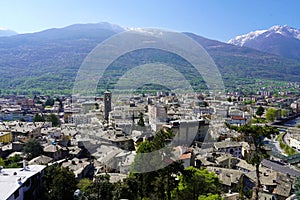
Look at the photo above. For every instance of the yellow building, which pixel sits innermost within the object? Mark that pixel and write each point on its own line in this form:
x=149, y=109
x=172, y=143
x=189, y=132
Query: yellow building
x=5, y=137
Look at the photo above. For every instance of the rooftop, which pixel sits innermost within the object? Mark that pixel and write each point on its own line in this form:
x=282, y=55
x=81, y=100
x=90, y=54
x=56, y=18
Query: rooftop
x=11, y=179
x=280, y=168
x=227, y=144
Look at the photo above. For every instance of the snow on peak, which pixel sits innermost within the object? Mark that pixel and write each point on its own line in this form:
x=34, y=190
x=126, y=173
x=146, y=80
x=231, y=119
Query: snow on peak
x=277, y=29
x=242, y=39
x=3, y=29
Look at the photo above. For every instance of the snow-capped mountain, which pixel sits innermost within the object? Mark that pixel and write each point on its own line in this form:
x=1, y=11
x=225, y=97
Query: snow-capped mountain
x=6, y=32
x=279, y=40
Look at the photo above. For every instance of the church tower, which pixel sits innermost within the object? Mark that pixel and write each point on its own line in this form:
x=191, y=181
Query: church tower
x=107, y=104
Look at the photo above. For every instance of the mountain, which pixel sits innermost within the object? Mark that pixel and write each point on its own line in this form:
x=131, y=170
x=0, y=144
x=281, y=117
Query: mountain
x=7, y=32
x=280, y=40
x=47, y=62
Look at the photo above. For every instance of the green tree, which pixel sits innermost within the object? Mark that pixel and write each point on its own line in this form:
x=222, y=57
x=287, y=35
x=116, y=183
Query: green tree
x=38, y=118
x=197, y=184
x=102, y=187
x=255, y=136
x=127, y=189
x=271, y=114
x=49, y=102
x=2, y=163
x=85, y=185
x=54, y=119
x=14, y=162
x=284, y=113
x=59, y=183
x=260, y=111
x=210, y=197
x=141, y=122
x=22, y=120
x=33, y=149
x=155, y=184
x=205, y=104
x=297, y=187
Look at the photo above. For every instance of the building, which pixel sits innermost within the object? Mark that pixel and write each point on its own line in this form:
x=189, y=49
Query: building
x=107, y=104
x=81, y=168
x=187, y=131
x=295, y=141
x=157, y=116
x=21, y=183
x=233, y=148
x=55, y=151
x=230, y=178
x=5, y=137
x=237, y=120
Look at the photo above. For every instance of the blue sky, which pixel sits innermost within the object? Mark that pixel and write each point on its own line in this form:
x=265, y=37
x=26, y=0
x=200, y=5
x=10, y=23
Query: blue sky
x=215, y=19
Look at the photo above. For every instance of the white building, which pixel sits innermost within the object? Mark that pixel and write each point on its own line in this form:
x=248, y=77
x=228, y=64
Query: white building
x=157, y=116
x=233, y=148
x=21, y=183
x=295, y=141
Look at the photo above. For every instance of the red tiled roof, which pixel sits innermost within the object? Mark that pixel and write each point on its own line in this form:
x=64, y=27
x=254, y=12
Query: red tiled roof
x=237, y=118
x=185, y=156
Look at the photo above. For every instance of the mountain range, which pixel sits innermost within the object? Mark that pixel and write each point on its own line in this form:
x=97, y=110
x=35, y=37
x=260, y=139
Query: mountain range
x=47, y=62
x=279, y=40
x=6, y=32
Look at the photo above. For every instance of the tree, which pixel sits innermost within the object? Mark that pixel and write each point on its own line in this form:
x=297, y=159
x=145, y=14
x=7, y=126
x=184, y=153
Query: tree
x=255, y=136
x=54, y=119
x=271, y=114
x=205, y=104
x=141, y=122
x=84, y=185
x=210, y=197
x=284, y=113
x=49, y=102
x=102, y=187
x=155, y=184
x=197, y=184
x=59, y=183
x=38, y=118
x=22, y=120
x=127, y=189
x=14, y=162
x=297, y=187
x=2, y=163
x=260, y=111
x=33, y=149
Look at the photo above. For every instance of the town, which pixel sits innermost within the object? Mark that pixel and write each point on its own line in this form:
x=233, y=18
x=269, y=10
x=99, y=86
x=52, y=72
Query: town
x=240, y=145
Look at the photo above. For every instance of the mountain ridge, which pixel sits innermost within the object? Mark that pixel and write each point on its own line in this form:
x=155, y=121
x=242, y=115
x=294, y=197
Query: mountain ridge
x=48, y=61
x=4, y=32
x=279, y=40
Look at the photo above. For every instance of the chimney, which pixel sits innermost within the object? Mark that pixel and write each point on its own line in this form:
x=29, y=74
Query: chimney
x=24, y=163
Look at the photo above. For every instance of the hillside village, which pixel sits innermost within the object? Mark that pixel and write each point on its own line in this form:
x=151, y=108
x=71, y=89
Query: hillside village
x=92, y=136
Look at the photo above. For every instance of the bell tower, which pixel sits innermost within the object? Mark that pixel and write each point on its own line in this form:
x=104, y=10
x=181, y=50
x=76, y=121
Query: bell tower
x=107, y=104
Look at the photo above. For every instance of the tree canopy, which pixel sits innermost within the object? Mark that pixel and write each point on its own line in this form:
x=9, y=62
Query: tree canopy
x=54, y=119
x=271, y=114
x=255, y=136
x=197, y=184
x=141, y=122
x=38, y=118
x=33, y=149
x=260, y=111
x=59, y=183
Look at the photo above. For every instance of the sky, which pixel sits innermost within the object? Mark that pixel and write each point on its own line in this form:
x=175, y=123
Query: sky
x=214, y=19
